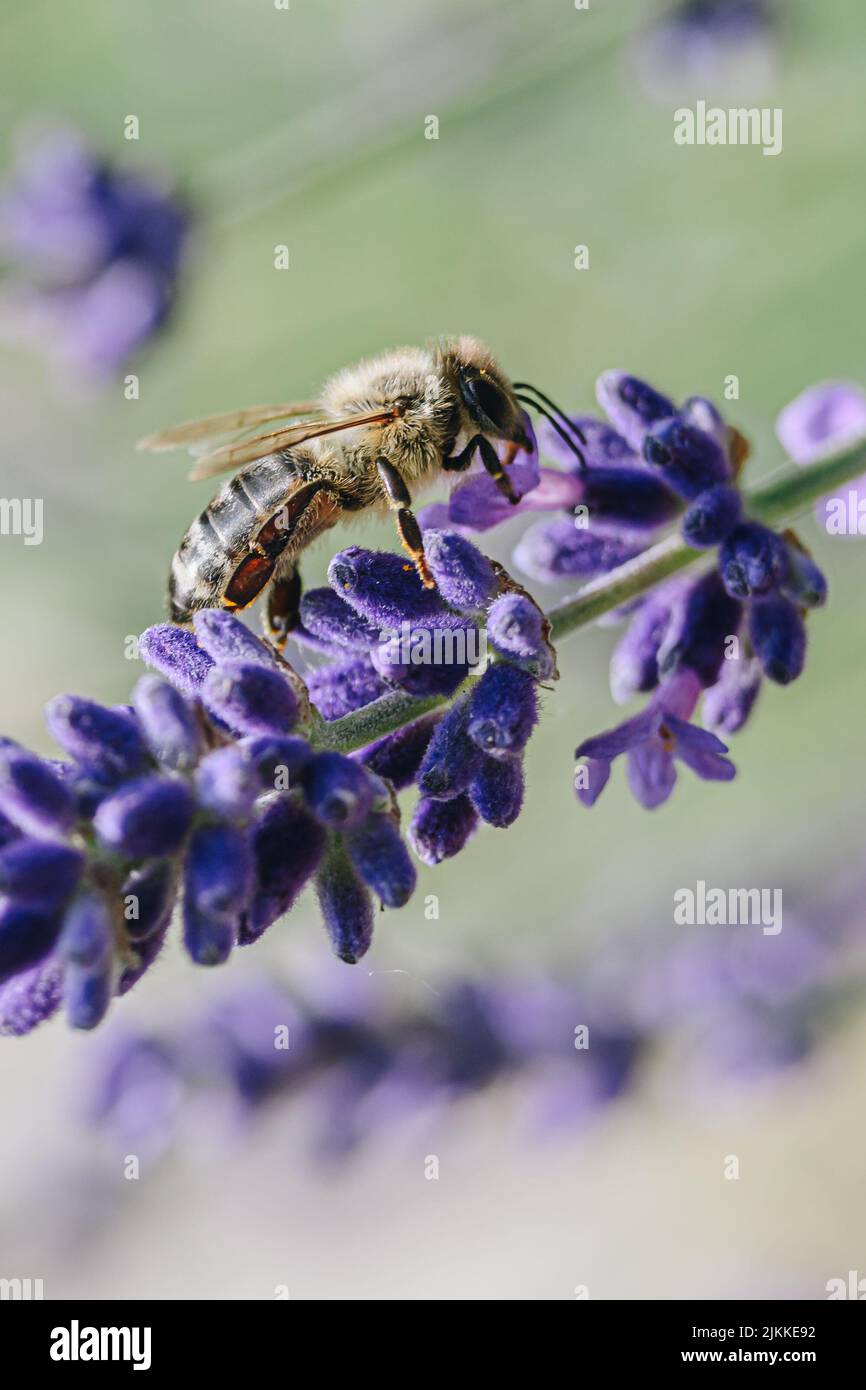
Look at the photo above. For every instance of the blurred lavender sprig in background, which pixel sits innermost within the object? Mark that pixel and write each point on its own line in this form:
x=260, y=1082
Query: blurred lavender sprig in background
x=726, y=1005
x=93, y=251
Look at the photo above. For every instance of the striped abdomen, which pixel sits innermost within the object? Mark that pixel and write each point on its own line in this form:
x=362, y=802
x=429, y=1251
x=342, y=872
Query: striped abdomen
x=229, y=552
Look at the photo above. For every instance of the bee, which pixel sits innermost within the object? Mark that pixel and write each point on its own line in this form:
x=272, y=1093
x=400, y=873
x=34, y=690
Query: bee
x=378, y=430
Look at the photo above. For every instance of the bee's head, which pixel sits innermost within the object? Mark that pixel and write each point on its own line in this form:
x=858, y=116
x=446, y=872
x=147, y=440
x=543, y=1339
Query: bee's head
x=483, y=390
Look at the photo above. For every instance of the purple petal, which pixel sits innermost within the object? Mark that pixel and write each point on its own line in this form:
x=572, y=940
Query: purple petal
x=590, y=780
x=651, y=773
x=626, y=736
x=701, y=750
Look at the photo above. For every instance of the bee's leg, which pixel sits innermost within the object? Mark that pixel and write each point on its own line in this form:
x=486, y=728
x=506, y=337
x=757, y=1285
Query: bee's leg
x=457, y=463
x=283, y=609
x=489, y=457
x=408, y=529
x=493, y=465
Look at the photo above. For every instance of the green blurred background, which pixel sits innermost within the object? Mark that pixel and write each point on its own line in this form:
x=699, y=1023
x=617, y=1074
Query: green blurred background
x=306, y=127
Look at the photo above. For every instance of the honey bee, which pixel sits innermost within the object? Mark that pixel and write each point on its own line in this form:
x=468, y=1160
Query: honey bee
x=388, y=424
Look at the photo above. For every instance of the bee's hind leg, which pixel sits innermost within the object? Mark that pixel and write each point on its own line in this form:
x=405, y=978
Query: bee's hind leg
x=408, y=529
x=283, y=609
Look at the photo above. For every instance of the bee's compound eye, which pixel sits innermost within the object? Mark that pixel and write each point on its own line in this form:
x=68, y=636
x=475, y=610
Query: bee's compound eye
x=248, y=580
x=485, y=399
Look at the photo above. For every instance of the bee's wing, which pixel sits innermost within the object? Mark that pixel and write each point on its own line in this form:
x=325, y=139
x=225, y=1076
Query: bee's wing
x=235, y=455
x=211, y=426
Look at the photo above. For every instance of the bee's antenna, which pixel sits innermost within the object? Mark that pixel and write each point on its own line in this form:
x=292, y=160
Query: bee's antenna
x=551, y=418
x=566, y=419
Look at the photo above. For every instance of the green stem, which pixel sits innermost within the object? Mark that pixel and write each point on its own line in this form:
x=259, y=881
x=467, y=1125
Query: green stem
x=771, y=502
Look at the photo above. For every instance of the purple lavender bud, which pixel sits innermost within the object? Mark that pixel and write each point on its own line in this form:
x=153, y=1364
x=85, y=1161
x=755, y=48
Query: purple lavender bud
x=697, y=638
x=344, y=686
x=86, y=936
x=428, y=675
x=603, y=444
x=631, y=404
x=464, y=576
x=219, y=871
x=338, y=791
x=26, y=936
x=440, y=829
x=451, y=757
x=8, y=832
x=218, y=882
x=752, y=560
x=634, y=663
x=226, y=640
x=382, y=859
x=345, y=903
x=700, y=412
x=109, y=740
x=381, y=586
x=30, y=998
x=558, y=549
x=503, y=710
x=712, y=516
x=689, y=459
x=778, y=635
x=168, y=723
x=88, y=790
x=39, y=873
x=87, y=992
x=627, y=497
x=515, y=626
x=250, y=698
x=227, y=783
x=331, y=619
x=728, y=703
x=141, y=956
x=147, y=818
x=822, y=417
x=33, y=797
x=397, y=756
x=287, y=846
x=174, y=652
x=805, y=584
x=147, y=897
x=496, y=790
x=277, y=761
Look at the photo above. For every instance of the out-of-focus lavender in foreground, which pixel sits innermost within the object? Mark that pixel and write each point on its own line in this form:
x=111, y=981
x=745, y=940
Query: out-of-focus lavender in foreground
x=730, y=1003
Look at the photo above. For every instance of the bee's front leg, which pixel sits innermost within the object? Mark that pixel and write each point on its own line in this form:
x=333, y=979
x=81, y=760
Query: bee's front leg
x=400, y=502
x=490, y=459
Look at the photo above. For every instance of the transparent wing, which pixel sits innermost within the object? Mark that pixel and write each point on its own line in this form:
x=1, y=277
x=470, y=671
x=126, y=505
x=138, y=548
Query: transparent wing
x=211, y=426
x=233, y=456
